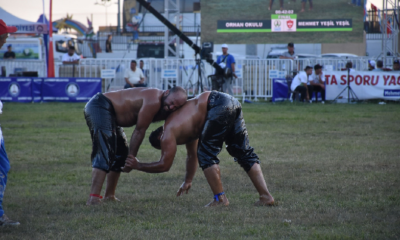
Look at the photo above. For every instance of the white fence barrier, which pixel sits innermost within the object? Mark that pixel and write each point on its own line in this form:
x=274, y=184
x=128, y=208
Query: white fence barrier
x=254, y=76
x=17, y=67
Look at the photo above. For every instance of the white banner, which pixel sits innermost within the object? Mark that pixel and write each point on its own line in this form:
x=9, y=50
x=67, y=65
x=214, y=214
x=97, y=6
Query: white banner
x=366, y=85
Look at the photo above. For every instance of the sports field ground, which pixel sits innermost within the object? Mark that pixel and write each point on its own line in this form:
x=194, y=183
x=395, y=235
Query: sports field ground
x=334, y=171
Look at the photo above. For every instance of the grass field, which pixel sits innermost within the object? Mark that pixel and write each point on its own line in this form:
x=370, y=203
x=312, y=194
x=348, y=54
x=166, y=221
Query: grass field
x=212, y=11
x=333, y=170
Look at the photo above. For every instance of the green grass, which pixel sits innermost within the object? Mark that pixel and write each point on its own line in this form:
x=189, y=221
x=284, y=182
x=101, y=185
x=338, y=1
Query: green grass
x=212, y=11
x=333, y=170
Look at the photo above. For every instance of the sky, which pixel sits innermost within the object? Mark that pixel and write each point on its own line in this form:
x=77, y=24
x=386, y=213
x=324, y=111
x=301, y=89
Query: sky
x=80, y=9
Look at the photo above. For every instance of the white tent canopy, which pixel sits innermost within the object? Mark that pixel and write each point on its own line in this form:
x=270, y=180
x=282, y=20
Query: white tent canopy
x=22, y=25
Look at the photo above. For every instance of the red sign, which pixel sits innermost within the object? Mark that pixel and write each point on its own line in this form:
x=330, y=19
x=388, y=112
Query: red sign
x=289, y=23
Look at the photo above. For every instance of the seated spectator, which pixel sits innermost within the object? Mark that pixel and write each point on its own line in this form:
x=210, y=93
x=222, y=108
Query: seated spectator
x=317, y=81
x=299, y=84
x=9, y=54
x=371, y=65
x=70, y=57
x=379, y=66
x=396, y=65
x=134, y=76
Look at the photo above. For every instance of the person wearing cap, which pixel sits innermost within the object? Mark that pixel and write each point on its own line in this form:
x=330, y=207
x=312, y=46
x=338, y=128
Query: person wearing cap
x=9, y=54
x=317, y=81
x=70, y=57
x=300, y=84
x=290, y=53
x=4, y=162
x=379, y=66
x=227, y=61
x=396, y=65
x=371, y=65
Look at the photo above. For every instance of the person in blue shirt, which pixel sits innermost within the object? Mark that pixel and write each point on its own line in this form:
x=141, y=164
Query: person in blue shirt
x=4, y=168
x=227, y=61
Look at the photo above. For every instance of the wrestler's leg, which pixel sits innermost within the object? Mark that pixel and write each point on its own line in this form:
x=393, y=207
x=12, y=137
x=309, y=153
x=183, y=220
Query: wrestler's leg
x=239, y=147
x=121, y=152
x=98, y=177
x=258, y=180
x=112, y=181
x=270, y=4
x=213, y=176
x=218, y=124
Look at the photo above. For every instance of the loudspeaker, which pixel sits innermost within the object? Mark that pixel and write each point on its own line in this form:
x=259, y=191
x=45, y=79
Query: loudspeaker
x=206, y=49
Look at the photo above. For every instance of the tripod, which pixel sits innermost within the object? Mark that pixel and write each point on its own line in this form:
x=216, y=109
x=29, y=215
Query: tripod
x=350, y=91
x=198, y=86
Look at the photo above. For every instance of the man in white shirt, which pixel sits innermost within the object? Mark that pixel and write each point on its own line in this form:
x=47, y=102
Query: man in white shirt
x=70, y=57
x=299, y=84
x=317, y=81
x=134, y=76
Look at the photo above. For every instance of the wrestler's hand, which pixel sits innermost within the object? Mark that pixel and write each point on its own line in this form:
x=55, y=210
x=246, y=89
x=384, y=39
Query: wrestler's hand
x=184, y=187
x=131, y=162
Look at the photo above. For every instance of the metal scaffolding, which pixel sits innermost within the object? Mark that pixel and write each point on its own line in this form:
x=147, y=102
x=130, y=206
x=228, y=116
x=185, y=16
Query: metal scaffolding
x=389, y=18
x=172, y=11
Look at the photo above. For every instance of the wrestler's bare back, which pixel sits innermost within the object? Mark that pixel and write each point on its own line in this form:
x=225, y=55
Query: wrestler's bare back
x=127, y=103
x=187, y=122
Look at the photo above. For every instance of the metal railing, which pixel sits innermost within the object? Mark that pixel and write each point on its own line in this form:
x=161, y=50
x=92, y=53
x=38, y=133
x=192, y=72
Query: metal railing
x=254, y=76
x=15, y=67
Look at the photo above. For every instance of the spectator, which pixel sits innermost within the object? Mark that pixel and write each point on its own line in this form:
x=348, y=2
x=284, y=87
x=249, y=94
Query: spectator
x=134, y=76
x=227, y=61
x=272, y=2
x=396, y=65
x=4, y=162
x=371, y=65
x=70, y=57
x=317, y=82
x=145, y=72
x=379, y=66
x=290, y=53
x=299, y=84
x=303, y=5
x=108, y=44
x=9, y=54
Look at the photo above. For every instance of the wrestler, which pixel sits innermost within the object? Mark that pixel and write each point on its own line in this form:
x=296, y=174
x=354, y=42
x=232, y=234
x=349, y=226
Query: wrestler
x=203, y=124
x=105, y=116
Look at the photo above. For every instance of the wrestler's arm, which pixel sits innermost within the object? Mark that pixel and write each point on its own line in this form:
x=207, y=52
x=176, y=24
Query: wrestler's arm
x=145, y=117
x=168, y=151
x=191, y=167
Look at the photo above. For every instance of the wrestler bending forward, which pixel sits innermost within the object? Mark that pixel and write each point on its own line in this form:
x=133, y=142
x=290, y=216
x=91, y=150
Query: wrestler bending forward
x=105, y=116
x=203, y=124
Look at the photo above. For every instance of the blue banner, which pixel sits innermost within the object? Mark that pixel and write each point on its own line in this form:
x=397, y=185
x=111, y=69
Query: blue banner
x=37, y=89
x=70, y=89
x=48, y=89
x=16, y=89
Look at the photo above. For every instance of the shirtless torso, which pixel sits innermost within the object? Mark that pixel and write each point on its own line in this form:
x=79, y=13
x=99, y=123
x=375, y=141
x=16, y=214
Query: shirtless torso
x=128, y=103
x=186, y=123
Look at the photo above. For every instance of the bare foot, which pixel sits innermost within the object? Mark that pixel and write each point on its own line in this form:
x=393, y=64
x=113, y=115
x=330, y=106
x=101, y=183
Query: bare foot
x=93, y=201
x=111, y=199
x=302, y=10
x=310, y=9
x=269, y=8
x=223, y=201
x=265, y=201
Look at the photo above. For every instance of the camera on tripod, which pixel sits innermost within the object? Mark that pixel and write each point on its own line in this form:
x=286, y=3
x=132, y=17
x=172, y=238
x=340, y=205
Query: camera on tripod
x=222, y=75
